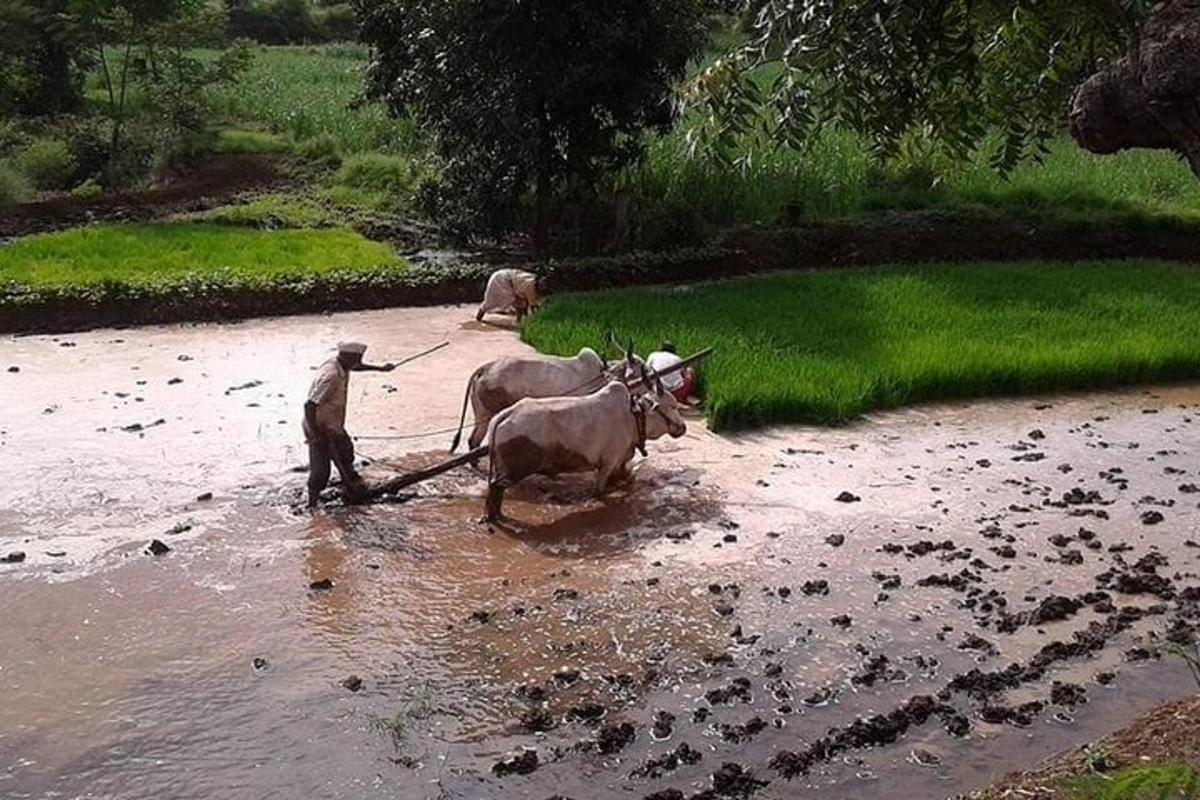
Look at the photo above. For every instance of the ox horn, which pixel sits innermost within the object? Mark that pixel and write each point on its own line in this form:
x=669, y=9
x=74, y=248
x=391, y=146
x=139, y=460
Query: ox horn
x=612, y=341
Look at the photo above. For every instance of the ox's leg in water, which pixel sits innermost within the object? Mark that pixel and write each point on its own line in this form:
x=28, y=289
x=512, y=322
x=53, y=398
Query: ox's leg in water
x=495, y=500
x=622, y=476
x=604, y=478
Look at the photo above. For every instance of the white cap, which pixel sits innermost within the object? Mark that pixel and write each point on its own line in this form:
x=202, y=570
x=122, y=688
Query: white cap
x=354, y=348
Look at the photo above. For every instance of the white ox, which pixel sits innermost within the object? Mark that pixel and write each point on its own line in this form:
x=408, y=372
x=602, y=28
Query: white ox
x=509, y=290
x=498, y=384
x=554, y=435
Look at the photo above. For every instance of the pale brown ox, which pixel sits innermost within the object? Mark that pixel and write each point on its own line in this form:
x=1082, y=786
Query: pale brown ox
x=556, y=435
x=498, y=384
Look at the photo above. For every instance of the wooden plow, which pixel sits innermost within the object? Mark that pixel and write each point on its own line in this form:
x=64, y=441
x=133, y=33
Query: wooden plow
x=400, y=482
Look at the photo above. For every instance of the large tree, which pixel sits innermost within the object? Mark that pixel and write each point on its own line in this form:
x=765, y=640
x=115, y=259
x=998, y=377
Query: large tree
x=41, y=71
x=957, y=70
x=530, y=96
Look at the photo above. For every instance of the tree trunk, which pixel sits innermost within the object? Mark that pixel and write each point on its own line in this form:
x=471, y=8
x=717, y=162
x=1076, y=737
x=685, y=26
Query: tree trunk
x=543, y=188
x=119, y=111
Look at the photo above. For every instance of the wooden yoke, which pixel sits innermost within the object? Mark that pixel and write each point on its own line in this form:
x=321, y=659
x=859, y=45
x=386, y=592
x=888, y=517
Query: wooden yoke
x=695, y=358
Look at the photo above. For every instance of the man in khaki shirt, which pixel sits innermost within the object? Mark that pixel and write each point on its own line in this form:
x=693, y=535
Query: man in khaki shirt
x=325, y=422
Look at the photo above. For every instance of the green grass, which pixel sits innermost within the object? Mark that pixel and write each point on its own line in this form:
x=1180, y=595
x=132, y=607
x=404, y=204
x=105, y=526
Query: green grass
x=157, y=253
x=1144, y=782
x=682, y=196
x=273, y=210
x=303, y=91
x=828, y=346
x=238, y=140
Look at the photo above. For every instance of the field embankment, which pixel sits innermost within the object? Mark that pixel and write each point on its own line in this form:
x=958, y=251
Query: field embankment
x=828, y=346
x=1170, y=734
x=219, y=181
x=201, y=269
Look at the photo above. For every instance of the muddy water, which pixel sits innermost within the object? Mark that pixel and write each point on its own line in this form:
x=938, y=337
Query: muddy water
x=215, y=670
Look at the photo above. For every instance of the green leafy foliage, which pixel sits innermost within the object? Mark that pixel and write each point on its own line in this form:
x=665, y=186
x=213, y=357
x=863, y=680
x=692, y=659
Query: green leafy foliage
x=290, y=21
x=828, y=346
x=41, y=61
x=320, y=149
x=49, y=164
x=1175, y=781
x=13, y=185
x=953, y=71
x=375, y=181
x=148, y=47
x=529, y=97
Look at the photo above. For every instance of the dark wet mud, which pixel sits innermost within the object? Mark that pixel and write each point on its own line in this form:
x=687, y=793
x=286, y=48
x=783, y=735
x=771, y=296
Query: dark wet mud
x=914, y=604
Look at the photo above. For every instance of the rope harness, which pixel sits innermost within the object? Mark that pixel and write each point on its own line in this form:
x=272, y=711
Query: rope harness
x=639, y=420
x=640, y=412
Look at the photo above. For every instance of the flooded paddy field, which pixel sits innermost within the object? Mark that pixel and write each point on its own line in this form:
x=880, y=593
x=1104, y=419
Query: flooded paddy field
x=911, y=605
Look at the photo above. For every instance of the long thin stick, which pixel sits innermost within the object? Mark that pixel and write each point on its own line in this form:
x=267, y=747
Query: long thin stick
x=422, y=354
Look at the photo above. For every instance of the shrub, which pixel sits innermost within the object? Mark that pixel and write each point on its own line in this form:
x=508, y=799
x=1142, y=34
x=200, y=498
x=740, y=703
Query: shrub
x=376, y=181
x=235, y=140
x=13, y=186
x=378, y=172
x=11, y=135
x=140, y=153
x=48, y=164
x=89, y=188
x=274, y=21
x=337, y=23
x=322, y=148
x=89, y=139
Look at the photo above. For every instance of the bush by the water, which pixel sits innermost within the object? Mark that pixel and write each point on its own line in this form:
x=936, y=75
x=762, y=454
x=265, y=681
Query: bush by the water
x=375, y=180
x=49, y=164
x=13, y=186
x=238, y=140
x=828, y=346
x=320, y=149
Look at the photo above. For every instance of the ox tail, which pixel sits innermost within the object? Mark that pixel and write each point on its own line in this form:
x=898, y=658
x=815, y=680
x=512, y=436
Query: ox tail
x=463, y=417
